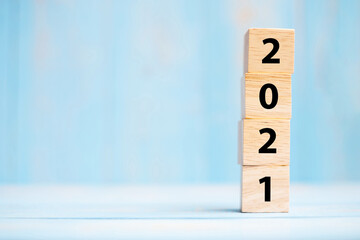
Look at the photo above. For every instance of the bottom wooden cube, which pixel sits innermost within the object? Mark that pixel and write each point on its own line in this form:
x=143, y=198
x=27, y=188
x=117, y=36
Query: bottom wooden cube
x=265, y=189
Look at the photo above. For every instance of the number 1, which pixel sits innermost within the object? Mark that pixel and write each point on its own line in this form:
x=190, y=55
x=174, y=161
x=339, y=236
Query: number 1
x=267, y=181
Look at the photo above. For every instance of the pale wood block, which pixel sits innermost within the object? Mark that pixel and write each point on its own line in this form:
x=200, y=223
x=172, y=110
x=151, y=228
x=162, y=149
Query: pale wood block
x=263, y=43
x=274, y=88
x=240, y=141
x=260, y=194
x=257, y=133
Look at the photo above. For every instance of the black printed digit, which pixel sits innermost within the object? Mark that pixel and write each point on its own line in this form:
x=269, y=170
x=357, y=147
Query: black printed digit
x=267, y=181
x=275, y=96
x=276, y=45
x=265, y=148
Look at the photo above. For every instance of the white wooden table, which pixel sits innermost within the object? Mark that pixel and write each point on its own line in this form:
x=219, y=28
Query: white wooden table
x=173, y=212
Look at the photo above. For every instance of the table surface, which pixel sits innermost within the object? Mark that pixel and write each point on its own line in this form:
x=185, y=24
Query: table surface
x=174, y=212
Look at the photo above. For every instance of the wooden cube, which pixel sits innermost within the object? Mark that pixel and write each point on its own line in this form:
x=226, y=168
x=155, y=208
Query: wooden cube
x=267, y=95
x=265, y=142
x=271, y=50
x=265, y=189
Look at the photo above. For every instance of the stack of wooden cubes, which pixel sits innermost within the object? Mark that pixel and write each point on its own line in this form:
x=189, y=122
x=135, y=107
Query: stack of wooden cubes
x=264, y=151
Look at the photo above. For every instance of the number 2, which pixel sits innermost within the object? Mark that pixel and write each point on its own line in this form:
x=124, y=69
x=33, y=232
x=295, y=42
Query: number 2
x=267, y=181
x=268, y=58
x=265, y=148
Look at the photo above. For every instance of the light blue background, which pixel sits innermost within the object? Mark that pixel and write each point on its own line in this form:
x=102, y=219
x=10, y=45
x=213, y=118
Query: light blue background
x=149, y=91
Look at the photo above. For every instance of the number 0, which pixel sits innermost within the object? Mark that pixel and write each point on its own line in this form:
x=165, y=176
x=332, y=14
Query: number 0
x=275, y=96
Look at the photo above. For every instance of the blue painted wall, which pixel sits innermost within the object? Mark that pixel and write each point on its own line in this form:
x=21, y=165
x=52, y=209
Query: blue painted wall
x=149, y=91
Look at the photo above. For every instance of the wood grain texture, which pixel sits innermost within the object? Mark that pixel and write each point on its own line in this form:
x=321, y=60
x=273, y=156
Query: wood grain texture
x=258, y=50
x=252, y=193
x=253, y=84
x=252, y=141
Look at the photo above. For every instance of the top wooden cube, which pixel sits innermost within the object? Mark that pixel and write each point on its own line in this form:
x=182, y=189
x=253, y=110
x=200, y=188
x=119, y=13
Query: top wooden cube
x=271, y=50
